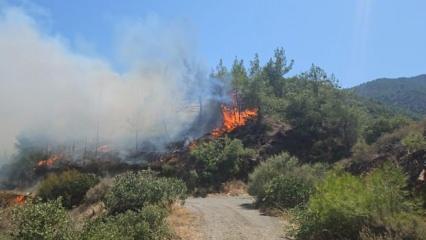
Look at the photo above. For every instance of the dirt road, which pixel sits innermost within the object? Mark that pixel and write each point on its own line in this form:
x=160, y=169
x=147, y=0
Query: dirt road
x=234, y=218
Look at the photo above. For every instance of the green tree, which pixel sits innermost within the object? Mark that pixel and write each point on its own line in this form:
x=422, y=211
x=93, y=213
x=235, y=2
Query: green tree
x=221, y=72
x=239, y=82
x=381, y=125
x=322, y=122
x=414, y=142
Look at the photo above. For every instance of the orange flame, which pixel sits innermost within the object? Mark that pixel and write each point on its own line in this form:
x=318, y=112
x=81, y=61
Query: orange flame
x=232, y=119
x=49, y=162
x=20, y=199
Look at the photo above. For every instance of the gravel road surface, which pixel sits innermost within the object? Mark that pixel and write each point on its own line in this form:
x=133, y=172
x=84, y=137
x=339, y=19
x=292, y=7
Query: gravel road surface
x=234, y=218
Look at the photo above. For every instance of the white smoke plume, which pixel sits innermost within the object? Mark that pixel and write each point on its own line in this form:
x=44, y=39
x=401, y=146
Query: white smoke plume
x=48, y=89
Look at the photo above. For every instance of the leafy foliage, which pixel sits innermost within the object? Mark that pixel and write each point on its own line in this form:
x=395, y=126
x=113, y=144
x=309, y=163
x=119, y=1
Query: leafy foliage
x=148, y=224
x=379, y=126
x=221, y=159
x=70, y=185
x=282, y=182
x=286, y=192
x=42, y=221
x=414, y=142
x=377, y=201
x=133, y=191
x=326, y=121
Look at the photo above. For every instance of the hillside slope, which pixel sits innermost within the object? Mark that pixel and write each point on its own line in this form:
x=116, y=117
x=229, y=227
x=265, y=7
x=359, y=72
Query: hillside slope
x=406, y=94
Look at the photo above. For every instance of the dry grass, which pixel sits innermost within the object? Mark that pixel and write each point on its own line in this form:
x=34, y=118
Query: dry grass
x=86, y=211
x=184, y=224
x=6, y=225
x=234, y=188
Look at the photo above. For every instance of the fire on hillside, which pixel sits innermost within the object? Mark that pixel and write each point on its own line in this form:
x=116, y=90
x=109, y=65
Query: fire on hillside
x=233, y=118
x=49, y=162
x=20, y=199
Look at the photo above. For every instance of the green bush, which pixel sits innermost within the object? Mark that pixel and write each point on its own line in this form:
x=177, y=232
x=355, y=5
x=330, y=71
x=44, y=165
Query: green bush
x=41, y=221
x=338, y=209
x=286, y=192
x=282, y=182
x=414, y=142
x=398, y=136
x=132, y=191
x=220, y=160
x=361, y=151
x=269, y=169
x=70, y=185
x=400, y=227
x=147, y=224
x=343, y=205
x=382, y=125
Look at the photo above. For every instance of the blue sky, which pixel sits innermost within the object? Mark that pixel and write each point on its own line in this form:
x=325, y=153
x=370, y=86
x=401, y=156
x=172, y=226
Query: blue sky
x=357, y=40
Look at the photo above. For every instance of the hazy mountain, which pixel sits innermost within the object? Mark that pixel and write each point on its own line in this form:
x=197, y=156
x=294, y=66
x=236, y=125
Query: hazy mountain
x=406, y=94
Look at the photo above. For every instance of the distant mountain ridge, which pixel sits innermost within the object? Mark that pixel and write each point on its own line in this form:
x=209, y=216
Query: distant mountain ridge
x=407, y=93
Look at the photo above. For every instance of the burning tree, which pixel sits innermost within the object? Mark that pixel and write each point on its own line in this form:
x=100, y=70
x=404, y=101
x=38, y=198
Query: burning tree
x=233, y=118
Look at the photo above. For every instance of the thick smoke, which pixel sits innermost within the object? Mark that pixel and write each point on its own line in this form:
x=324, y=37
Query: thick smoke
x=47, y=89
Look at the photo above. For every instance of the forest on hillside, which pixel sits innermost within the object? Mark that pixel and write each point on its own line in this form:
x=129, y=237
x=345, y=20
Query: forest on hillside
x=336, y=165
x=406, y=94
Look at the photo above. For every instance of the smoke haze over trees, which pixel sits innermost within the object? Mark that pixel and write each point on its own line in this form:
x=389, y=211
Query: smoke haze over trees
x=51, y=90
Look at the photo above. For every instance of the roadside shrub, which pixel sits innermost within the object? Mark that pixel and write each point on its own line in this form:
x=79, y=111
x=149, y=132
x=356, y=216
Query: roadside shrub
x=282, y=182
x=147, y=224
x=343, y=205
x=286, y=192
x=220, y=160
x=401, y=227
x=368, y=234
x=41, y=221
x=269, y=169
x=387, y=195
x=70, y=185
x=132, y=191
x=337, y=209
